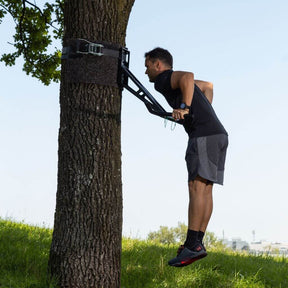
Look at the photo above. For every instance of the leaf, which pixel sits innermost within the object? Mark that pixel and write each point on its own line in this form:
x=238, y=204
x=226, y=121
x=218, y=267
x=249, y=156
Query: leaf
x=34, y=30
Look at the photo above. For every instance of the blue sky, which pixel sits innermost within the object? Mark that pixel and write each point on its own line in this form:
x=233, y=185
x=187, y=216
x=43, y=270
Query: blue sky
x=240, y=46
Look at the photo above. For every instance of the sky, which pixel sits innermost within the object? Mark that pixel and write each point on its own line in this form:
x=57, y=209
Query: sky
x=240, y=46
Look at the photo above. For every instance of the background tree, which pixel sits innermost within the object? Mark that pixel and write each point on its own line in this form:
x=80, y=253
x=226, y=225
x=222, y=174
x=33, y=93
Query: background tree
x=173, y=235
x=35, y=30
x=86, y=245
x=166, y=235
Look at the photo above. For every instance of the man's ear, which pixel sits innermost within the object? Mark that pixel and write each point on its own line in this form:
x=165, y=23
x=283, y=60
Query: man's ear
x=158, y=64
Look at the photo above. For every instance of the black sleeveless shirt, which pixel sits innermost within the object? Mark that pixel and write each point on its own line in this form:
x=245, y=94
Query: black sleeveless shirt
x=202, y=119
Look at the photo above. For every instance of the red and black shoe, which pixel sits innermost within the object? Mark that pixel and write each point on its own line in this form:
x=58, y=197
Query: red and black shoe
x=187, y=256
x=180, y=249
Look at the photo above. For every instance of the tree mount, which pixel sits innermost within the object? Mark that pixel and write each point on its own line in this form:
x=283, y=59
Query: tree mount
x=80, y=48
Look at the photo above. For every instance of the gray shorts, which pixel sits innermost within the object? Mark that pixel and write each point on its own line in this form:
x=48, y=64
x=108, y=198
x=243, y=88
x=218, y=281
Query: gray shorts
x=205, y=157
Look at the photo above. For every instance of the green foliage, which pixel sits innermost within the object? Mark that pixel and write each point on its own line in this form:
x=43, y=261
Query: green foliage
x=212, y=242
x=35, y=30
x=166, y=235
x=24, y=254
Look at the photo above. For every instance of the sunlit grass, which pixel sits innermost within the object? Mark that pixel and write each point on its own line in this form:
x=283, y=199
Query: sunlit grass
x=24, y=252
x=23, y=255
x=218, y=269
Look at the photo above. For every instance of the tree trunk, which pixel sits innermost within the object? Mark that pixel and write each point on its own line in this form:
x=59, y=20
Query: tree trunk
x=86, y=244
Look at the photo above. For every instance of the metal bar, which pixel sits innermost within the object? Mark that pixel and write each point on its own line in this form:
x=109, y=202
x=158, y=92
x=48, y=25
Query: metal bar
x=145, y=92
x=144, y=95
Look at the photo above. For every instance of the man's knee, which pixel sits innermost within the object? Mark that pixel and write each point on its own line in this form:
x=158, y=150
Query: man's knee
x=198, y=184
x=199, y=179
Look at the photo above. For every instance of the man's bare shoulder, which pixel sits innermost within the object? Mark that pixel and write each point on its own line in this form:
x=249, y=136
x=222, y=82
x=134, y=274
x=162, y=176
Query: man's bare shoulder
x=207, y=88
x=179, y=77
x=203, y=85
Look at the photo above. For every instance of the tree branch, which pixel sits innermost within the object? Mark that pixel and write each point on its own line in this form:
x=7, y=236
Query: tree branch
x=22, y=38
x=20, y=23
x=9, y=12
x=32, y=37
x=36, y=7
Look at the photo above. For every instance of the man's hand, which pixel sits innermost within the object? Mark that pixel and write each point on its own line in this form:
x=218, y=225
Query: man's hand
x=178, y=114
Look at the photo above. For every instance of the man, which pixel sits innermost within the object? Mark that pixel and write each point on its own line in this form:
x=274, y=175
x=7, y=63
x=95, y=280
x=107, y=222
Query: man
x=208, y=140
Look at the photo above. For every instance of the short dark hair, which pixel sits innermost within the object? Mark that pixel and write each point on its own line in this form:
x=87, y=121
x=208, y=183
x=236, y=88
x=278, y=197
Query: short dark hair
x=161, y=54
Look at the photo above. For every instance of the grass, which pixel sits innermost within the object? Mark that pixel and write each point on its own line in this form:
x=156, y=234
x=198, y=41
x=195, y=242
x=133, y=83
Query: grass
x=218, y=269
x=24, y=252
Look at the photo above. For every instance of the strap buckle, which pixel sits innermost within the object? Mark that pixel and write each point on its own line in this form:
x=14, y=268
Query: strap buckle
x=95, y=49
x=89, y=48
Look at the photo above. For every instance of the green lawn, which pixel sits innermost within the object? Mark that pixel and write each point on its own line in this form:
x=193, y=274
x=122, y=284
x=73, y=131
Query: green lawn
x=24, y=254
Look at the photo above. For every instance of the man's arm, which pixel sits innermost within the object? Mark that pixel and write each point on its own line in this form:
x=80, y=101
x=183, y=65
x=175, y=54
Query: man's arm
x=206, y=88
x=185, y=82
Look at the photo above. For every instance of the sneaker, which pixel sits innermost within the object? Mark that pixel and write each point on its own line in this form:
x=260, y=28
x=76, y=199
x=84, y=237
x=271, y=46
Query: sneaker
x=187, y=256
x=180, y=249
x=203, y=246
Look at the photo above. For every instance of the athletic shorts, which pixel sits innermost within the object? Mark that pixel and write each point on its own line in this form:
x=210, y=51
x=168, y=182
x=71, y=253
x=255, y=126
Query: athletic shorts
x=205, y=157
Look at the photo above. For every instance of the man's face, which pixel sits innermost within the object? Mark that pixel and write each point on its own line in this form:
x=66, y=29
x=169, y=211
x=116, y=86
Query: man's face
x=152, y=69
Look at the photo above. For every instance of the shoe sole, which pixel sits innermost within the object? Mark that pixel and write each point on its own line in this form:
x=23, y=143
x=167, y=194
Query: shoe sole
x=189, y=261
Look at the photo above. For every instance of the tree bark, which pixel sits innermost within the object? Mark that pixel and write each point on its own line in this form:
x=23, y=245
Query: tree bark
x=86, y=244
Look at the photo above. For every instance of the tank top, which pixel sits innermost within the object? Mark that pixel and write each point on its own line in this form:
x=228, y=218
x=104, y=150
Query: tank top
x=202, y=119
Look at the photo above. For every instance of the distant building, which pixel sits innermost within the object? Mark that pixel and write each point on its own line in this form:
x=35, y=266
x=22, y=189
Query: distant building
x=258, y=248
x=264, y=247
x=236, y=244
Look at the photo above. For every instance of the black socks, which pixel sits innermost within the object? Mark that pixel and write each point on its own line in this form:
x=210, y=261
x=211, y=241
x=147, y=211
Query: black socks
x=201, y=236
x=193, y=238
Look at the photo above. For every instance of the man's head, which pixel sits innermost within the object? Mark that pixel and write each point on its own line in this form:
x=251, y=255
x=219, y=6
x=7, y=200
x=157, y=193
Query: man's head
x=157, y=61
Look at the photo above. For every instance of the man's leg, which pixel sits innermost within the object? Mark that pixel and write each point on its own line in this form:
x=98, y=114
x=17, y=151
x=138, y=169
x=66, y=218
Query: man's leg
x=200, y=204
x=208, y=207
x=199, y=211
x=192, y=249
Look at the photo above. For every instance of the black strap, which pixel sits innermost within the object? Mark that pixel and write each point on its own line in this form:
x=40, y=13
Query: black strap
x=81, y=47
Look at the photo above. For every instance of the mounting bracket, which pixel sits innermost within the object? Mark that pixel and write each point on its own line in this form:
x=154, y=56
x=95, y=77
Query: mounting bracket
x=97, y=72
x=142, y=93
